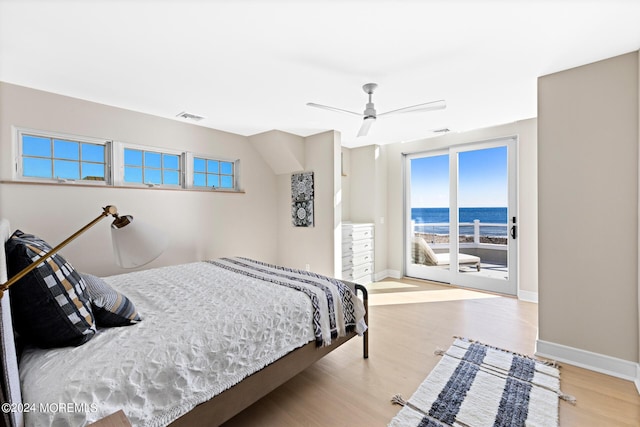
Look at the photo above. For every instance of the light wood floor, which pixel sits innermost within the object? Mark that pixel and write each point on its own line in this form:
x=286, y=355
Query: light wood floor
x=408, y=321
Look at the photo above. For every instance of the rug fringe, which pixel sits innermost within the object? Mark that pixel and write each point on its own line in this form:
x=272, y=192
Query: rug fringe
x=546, y=362
x=398, y=400
x=567, y=398
x=439, y=352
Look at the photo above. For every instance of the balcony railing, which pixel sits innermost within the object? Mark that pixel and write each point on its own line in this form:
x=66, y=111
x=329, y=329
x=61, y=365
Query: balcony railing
x=471, y=234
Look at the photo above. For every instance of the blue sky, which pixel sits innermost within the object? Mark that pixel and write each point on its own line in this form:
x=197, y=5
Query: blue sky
x=482, y=179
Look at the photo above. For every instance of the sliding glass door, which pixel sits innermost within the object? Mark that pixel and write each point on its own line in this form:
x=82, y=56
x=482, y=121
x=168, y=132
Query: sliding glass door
x=460, y=215
x=428, y=225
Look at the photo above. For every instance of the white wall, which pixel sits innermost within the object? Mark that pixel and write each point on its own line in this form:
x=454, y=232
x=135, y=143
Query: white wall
x=201, y=225
x=318, y=246
x=283, y=151
x=588, y=127
x=346, y=183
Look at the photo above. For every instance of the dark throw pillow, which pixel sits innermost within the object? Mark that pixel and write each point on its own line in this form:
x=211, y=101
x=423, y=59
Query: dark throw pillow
x=50, y=305
x=110, y=307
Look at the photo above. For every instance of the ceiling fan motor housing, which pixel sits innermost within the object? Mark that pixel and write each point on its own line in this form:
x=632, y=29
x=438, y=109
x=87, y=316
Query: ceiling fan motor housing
x=369, y=111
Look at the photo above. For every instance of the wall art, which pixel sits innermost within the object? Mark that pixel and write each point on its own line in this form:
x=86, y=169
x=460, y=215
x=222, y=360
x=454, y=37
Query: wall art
x=302, y=199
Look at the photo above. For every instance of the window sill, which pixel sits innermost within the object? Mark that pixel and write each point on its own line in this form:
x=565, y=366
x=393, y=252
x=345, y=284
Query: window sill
x=87, y=185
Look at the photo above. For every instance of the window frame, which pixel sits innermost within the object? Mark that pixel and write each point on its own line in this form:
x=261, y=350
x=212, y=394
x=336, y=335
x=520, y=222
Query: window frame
x=115, y=165
x=190, y=172
x=119, y=165
x=18, y=169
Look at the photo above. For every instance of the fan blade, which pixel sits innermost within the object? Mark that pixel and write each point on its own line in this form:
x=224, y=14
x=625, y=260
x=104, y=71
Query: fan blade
x=428, y=106
x=366, y=125
x=326, y=107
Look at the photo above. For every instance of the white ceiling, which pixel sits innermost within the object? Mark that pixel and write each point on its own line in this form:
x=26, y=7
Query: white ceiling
x=251, y=66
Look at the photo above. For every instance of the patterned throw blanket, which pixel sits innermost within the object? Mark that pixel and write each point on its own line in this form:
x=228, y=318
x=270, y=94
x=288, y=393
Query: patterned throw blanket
x=336, y=309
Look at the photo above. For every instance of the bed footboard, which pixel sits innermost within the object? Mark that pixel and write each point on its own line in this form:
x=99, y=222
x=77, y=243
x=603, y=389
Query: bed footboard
x=365, y=337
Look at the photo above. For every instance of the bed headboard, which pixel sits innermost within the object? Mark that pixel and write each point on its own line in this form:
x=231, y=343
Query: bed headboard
x=10, y=377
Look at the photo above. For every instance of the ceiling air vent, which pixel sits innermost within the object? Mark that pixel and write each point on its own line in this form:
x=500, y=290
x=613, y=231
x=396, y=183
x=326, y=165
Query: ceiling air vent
x=189, y=116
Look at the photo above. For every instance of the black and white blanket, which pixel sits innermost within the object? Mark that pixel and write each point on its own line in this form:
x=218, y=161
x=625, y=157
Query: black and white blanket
x=335, y=307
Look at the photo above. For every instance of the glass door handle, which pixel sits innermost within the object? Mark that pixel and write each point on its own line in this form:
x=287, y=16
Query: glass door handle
x=514, y=231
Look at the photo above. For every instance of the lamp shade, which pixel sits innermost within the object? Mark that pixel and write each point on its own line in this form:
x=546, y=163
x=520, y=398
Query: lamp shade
x=136, y=243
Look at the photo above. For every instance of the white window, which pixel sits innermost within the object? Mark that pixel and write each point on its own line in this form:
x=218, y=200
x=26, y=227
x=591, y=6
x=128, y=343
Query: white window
x=151, y=167
x=138, y=165
x=58, y=157
x=215, y=174
x=54, y=157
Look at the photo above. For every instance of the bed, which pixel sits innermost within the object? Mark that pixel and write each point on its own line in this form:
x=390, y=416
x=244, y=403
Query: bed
x=247, y=327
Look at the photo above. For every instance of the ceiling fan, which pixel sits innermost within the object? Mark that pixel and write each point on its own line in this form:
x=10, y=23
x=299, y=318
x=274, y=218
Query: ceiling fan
x=370, y=115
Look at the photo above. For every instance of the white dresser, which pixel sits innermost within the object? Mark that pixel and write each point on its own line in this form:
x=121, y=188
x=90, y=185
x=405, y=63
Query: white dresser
x=357, y=252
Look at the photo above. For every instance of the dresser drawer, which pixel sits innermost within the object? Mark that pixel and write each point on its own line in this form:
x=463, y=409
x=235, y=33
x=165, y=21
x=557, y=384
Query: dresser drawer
x=357, y=259
x=358, y=271
x=358, y=246
x=357, y=233
x=362, y=270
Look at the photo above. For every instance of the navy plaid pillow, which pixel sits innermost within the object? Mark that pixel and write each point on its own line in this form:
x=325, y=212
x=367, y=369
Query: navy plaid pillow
x=110, y=307
x=50, y=306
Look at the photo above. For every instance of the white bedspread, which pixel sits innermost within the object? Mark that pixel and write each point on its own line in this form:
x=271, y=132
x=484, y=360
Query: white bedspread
x=175, y=358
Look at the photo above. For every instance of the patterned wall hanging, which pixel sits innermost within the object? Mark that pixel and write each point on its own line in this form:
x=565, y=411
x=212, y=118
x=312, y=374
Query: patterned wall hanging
x=302, y=199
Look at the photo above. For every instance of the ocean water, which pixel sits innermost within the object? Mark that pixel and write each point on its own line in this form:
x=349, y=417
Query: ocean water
x=428, y=216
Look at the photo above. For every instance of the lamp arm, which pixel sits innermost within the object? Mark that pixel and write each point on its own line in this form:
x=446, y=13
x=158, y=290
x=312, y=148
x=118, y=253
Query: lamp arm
x=108, y=210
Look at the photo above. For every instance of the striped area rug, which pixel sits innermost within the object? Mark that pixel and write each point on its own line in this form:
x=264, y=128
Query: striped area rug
x=476, y=385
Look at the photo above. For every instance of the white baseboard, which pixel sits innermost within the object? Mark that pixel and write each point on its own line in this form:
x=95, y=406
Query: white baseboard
x=602, y=363
x=528, y=296
x=394, y=274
